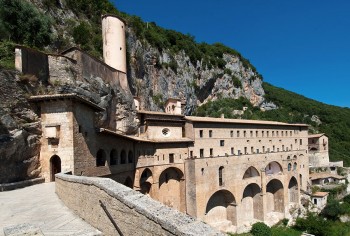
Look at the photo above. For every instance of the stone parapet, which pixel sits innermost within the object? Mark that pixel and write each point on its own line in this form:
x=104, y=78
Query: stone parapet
x=133, y=212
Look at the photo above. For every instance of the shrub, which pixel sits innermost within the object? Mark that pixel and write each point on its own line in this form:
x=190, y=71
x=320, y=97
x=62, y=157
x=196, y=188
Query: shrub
x=261, y=229
x=236, y=82
x=24, y=24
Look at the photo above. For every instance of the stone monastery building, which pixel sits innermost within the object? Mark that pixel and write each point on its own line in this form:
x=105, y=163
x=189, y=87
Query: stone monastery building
x=226, y=172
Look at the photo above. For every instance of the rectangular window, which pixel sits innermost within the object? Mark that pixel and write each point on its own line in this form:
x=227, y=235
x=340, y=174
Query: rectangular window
x=301, y=142
x=268, y=149
x=201, y=133
x=273, y=133
x=262, y=133
x=277, y=133
x=296, y=141
x=231, y=133
x=232, y=151
x=282, y=147
x=257, y=134
x=267, y=133
x=263, y=148
x=257, y=151
x=80, y=129
x=244, y=133
x=251, y=134
x=220, y=176
x=201, y=152
x=210, y=133
x=245, y=150
x=291, y=133
x=278, y=149
x=222, y=143
x=239, y=152
x=237, y=134
x=191, y=154
x=171, y=158
x=252, y=150
x=273, y=148
x=211, y=152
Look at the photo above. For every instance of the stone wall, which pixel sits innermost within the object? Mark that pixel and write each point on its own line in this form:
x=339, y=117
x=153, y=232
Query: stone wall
x=133, y=212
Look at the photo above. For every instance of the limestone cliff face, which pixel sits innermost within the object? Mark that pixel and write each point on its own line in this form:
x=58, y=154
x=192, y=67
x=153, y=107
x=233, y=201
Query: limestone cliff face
x=153, y=82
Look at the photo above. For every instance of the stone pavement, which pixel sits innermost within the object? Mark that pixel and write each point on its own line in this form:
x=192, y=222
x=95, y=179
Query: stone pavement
x=38, y=205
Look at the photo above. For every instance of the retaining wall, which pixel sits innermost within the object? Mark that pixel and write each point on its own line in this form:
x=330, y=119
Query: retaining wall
x=133, y=212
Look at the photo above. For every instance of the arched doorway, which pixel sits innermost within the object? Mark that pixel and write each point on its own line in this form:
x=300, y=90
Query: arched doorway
x=293, y=190
x=100, y=158
x=252, y=207
x=55, y=166
x=171, y=188
x=146, y=182
x=221, y=209
x=275, y=196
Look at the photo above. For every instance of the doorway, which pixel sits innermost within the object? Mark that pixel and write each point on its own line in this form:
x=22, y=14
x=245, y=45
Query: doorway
x=55, y=163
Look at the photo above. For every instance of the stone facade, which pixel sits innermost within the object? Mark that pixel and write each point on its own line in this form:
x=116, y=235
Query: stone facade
x=318, y=150
x=229, y=173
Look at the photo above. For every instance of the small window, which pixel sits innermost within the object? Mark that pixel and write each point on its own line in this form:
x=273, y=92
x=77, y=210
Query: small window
x=315, y=201
x=239, y=152
x=171, y=158
x=252, y=150
x=191, y=154
x=256, y=133
x=80, y=129
x=244, y=133
x=222, y=143
x=291, y=133
x=232, y=151
x=262, y=133
x=237, y=134
x=251, y=134
x=289, y=167
x=210, y=133
x=294, y=166
x=263, y=148
x=201, y=152
x=277, y=133
x=301, y=142
x=257, y=151
x=211, y=152
x=166, y=132
x=201, y=133
x=231, y=133
x=273, y=133
x=245, y=150
x=221, y=182
x=267, y=133
x=296, y=141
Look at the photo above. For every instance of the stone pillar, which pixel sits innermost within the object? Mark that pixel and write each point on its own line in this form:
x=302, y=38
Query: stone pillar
x=263, y=193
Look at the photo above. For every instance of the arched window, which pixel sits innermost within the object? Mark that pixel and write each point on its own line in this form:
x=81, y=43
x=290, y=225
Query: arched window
x=289, y=167
x=113, y=157
x=123, y=157
x=130, y=157
x=101, y=158
x=221, y=181
x=294, y=166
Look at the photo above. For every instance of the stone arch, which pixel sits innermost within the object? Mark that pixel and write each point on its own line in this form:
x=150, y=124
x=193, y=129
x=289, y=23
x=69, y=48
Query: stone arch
x=128, y=182
x=295, y=165
x=101, y=158
x=146, y=181
x=221, y=209
x=251, y=172
x=273, y=168
x=123, y=157
x=130, y=157
x=171, y=188
x=293, y=190
x=55, y=166
x=252, y=204
x=113, y=157
x=275, y=196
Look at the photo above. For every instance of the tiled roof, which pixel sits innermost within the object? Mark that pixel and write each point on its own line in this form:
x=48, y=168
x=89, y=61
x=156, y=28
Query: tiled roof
x=320, y=194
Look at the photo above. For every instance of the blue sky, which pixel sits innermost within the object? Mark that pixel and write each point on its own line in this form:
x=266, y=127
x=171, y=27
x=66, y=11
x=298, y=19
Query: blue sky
x=299, y=45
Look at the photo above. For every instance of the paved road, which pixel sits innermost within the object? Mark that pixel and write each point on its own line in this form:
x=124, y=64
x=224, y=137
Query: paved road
x=39, y=205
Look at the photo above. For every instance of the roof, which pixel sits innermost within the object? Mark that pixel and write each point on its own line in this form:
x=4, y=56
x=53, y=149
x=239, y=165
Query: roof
x=238, y=121
x=323, y=175
x=139, y=139
x=320, y=194
x=316, y=135
x=158, y=113
x=65, y=96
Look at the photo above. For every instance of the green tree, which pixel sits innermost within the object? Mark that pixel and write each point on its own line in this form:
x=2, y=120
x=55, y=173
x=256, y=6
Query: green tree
x=261, y=229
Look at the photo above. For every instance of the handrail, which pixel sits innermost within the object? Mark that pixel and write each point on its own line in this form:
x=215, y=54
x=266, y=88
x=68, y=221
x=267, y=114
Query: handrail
x=111, y=218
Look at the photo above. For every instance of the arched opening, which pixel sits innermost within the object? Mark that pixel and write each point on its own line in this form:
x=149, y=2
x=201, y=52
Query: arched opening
x=273, y=168
x=295, y=157
x=171, y=188
x=252, y=205
x=289, y=166
x=130, y=157
x=100, y=158
x=293, y=190
x=221, y=209
x=146, y=182
x=123, y=157
x=251, y=172
x=55, y=166
x=294, y=166
x=128, y=182
x=275, y=196
x=113, y=157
